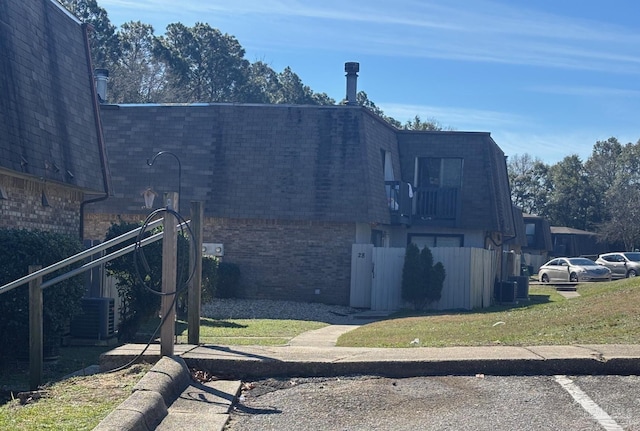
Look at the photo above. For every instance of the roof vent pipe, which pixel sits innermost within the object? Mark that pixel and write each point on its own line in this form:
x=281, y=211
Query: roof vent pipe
x=352, y=70
x=100, y=77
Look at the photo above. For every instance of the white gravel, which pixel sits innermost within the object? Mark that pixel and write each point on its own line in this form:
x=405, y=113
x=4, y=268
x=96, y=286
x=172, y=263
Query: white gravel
x=268, y=309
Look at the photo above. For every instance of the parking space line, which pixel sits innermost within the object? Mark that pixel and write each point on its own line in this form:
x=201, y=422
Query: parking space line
x=588, y=404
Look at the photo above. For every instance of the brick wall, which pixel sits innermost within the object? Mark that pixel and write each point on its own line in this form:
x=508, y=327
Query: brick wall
x=278, y=259
x=302, y=261
x=23, y=209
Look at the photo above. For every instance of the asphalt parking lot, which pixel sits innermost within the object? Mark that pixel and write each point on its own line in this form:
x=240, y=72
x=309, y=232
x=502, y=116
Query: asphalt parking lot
x=441, y=403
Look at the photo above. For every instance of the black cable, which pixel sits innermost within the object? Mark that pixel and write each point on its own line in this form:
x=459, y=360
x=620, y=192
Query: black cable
x=138, y=251
x=146, y=347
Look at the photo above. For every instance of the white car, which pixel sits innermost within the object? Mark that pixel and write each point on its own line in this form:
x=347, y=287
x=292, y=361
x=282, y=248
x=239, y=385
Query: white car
x=622, y=264
x=573, y=270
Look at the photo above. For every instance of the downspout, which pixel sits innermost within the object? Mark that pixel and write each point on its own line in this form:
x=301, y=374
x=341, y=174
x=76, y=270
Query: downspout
x=106, y=178
x=513, y=223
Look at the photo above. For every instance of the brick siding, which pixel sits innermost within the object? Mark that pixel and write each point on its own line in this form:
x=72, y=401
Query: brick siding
x=22, y=208
x=278, y=259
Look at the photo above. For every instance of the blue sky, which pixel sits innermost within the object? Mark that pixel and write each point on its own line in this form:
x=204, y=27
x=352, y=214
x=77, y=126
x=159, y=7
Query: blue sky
x=547, y=77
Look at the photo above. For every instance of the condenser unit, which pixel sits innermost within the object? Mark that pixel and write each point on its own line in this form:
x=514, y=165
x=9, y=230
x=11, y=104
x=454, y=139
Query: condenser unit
x=97, y=320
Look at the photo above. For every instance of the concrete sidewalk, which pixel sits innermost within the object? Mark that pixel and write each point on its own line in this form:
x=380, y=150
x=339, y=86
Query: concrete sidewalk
x=168, y=399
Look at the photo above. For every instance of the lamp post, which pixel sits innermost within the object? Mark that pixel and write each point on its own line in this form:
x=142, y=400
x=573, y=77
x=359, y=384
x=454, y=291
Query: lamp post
x=152, y=161
x=169, y=262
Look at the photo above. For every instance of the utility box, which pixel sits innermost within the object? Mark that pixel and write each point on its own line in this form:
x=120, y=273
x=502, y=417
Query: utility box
x=212, y=249
x=505, y=292
x=522, y=291
x=97, y=320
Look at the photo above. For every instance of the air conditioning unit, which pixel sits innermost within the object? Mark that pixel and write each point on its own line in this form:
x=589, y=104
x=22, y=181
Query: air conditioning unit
x=97, y=320
x=212, y=249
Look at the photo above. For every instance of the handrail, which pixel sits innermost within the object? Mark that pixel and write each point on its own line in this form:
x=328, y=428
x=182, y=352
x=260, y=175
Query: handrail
x=101, y=260
x=86, y=253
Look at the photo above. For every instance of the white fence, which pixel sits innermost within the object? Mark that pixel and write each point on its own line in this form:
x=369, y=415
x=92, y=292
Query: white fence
x=376, y=277
x=535, y=260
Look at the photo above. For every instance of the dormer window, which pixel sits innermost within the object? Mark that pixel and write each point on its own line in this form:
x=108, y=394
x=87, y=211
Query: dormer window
x=438, y=184
x=439, y=172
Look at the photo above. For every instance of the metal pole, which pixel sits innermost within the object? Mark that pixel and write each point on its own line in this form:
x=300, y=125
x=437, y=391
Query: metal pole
x=169, y=262
x=152, y=161
x=195, y=286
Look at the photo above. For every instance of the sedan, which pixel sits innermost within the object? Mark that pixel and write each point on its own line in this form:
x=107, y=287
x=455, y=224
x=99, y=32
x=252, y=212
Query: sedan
x=622, y=264
x=573, y=270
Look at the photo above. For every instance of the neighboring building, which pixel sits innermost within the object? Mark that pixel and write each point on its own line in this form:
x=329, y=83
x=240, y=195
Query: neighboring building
x=569, y=242
x=288, y=190
x=52, y=161
x=539, y=243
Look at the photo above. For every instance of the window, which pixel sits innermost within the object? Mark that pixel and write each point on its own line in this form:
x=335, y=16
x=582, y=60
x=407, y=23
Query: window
x=611, y=258
x=392, y=190
x=434, y=240
x=439, y=172
x=530, y=231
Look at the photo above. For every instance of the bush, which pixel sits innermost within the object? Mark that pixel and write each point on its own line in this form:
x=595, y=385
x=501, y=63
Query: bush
x=207, y=287
x=422, y=281
x=62, y=301
x=209, y=273
x=139, y=279
x=227, y=280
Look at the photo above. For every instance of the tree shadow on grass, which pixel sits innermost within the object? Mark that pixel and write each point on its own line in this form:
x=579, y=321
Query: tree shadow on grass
x=534, y=299
x=182, y=326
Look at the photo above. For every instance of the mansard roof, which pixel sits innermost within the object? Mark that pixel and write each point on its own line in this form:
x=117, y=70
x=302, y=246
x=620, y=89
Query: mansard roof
x=49, y=121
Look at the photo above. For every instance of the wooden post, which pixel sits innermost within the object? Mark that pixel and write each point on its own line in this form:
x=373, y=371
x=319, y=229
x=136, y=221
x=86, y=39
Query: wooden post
x=169, y=261
x=195, y=286
x=35, y=330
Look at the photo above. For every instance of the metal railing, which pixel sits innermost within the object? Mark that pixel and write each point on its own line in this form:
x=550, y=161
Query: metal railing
x=36, y=286
x=85, y=254
x=436, y=203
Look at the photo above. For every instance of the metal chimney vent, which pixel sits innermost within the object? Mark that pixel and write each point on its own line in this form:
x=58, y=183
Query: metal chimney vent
x=352, y=69
x=101, y=77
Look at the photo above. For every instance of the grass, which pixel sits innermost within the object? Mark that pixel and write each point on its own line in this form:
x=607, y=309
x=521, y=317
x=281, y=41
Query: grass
x=80, y=403
x=74, y=404
x=604, y=313
x=77, y=403
x=261, y=332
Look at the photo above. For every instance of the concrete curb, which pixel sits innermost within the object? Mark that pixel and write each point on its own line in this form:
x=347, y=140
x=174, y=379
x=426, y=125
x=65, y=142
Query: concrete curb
x=148, y=405
x=168, y=377
x=265, y=361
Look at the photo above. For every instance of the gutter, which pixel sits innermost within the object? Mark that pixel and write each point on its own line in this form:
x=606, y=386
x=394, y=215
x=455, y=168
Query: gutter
x=106, y=177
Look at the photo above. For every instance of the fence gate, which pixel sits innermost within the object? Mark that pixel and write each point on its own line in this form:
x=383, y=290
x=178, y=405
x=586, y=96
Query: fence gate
x=361, y=269
x=386, y=293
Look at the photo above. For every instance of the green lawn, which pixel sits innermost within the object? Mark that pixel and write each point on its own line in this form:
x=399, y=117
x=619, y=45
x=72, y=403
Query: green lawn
x=261, y=332
x=605, y=313
x=74, y=404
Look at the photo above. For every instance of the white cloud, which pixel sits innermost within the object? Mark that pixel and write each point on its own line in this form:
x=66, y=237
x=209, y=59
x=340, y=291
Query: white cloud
x=462, y=119
x=479, y=31
x=515, y=134
x=592, y=91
